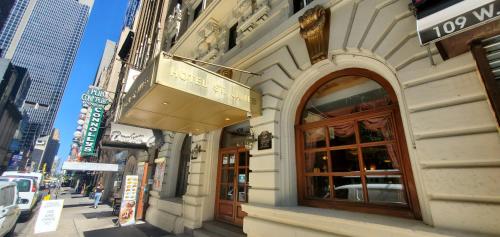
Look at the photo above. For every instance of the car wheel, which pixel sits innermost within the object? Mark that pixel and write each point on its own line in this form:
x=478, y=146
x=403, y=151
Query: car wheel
x=11, y=232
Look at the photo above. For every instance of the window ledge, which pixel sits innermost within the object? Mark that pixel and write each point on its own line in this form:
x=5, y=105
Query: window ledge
x=345, y=223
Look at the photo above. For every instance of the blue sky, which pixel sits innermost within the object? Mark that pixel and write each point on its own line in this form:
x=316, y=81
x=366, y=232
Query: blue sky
x=105, y=22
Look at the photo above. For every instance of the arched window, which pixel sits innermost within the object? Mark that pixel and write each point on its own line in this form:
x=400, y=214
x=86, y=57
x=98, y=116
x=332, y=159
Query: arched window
x=351, y=150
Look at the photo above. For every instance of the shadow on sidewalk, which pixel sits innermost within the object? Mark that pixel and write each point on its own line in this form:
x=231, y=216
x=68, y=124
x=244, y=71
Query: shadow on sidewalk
x=140, y=230
x=79, y=205
x=93, y=215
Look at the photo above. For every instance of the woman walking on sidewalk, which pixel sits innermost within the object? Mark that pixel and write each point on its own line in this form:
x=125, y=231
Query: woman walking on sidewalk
x=98, y=194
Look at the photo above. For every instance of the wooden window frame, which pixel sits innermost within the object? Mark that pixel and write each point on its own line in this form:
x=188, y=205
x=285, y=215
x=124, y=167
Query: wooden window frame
x=487, y=77
x=412, y=209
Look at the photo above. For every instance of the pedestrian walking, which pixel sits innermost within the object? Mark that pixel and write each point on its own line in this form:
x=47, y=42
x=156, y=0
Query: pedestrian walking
x=47, y=197
x=98, y=194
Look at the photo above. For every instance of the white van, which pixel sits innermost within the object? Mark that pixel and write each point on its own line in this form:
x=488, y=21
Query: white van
x=26, y=186
x=9, y=211
x=37, y=177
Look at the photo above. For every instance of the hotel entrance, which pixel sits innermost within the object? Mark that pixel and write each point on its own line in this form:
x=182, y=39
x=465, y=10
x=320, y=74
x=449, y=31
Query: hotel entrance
x=232, y=175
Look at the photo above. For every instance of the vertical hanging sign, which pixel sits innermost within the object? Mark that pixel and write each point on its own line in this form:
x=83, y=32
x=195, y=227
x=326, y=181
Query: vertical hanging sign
x=90, y=138
x=95, y=98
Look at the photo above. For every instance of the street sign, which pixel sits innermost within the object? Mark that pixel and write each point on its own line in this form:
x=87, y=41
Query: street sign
x=457, y=18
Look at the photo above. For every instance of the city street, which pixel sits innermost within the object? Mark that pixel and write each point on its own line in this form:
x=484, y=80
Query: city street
x=79, y=219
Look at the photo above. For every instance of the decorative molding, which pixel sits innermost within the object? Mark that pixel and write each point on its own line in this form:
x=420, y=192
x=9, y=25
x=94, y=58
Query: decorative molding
x=315, y=29
x=212, y=41
x=226, y=72
x=250, y=14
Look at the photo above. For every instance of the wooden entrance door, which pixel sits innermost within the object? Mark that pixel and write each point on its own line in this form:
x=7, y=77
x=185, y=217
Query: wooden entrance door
x=232, y=185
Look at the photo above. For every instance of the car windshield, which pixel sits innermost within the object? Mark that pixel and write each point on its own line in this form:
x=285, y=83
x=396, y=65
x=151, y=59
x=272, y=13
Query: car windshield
x=23, y=185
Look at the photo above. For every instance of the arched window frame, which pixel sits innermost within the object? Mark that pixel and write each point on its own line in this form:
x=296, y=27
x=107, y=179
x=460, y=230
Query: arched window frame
x=413, y=209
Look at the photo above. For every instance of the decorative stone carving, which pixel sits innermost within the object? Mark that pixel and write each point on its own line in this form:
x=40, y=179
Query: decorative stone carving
x=174, y=23
x=315, y=29
x=226, y=72
x=250, y=14
x=212, y=41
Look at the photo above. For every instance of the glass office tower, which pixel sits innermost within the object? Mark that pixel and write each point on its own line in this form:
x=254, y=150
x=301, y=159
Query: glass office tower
x=47, y=47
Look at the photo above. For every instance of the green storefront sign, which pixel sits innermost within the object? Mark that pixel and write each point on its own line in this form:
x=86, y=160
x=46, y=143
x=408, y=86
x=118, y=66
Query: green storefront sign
x=88, y=142
x=95, y=99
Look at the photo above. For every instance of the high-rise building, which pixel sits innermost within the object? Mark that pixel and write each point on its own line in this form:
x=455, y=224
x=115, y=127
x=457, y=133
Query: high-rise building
x=45, y=151
x=47, y=45
x=5, y=8
x=10, y=21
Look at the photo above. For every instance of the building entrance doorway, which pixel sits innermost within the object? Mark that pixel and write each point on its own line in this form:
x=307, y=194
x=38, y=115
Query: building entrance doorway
x=232, y=185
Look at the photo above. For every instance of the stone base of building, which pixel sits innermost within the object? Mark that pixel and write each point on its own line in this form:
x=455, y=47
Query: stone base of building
x=263, y=220
x=166, y=214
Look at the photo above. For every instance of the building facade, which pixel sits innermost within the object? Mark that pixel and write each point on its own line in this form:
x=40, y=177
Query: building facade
x=362, y=128
x=14, y=85
x=45, y=42
x=11, y=21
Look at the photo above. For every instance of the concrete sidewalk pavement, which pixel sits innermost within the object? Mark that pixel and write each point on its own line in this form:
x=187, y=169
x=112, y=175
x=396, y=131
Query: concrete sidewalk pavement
x=78, y=218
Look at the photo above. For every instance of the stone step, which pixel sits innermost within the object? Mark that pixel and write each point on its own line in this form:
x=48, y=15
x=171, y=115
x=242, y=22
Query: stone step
x=223, y=229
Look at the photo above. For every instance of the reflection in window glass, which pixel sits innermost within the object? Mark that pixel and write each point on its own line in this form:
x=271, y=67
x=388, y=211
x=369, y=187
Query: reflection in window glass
x=316, y=162
x=242, y=194
x=318, y=187
x=385, y=189
x=342, y=134
x=375, y=129
x=342, y=96
x=344, y=160
x=348, y=188
x=315, y=138
x=226, y=192
x=380, y=158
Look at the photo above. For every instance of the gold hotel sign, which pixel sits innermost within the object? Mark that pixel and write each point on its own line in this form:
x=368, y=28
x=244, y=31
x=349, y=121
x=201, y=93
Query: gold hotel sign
x=182, y=97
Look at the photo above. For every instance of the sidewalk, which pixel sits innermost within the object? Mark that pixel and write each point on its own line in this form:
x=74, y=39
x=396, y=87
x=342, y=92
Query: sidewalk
x=79, y=219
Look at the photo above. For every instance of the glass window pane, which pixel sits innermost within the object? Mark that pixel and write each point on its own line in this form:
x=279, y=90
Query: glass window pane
x=348, y=188
x=242, y=159
x=344, y=95
x=242, y=176
x=227, y=176
x=380, y=158
x=225, y=160
x=318, y=187
x=342, y=134
x=232, y=159
x=344, y=160
x=226, y=191
x=314, y=138
x=376, y=129
x=316, y=162
x=386, y=189
x=242, y=193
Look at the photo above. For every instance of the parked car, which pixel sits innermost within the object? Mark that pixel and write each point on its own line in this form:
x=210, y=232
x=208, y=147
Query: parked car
x=26, y=187
x=37, y=177
x=9, y=210
x=378, y=193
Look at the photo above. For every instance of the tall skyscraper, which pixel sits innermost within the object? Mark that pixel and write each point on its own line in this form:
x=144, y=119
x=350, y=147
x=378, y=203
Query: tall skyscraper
x=10, y=20
x=46, y=42
x=5, y=8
